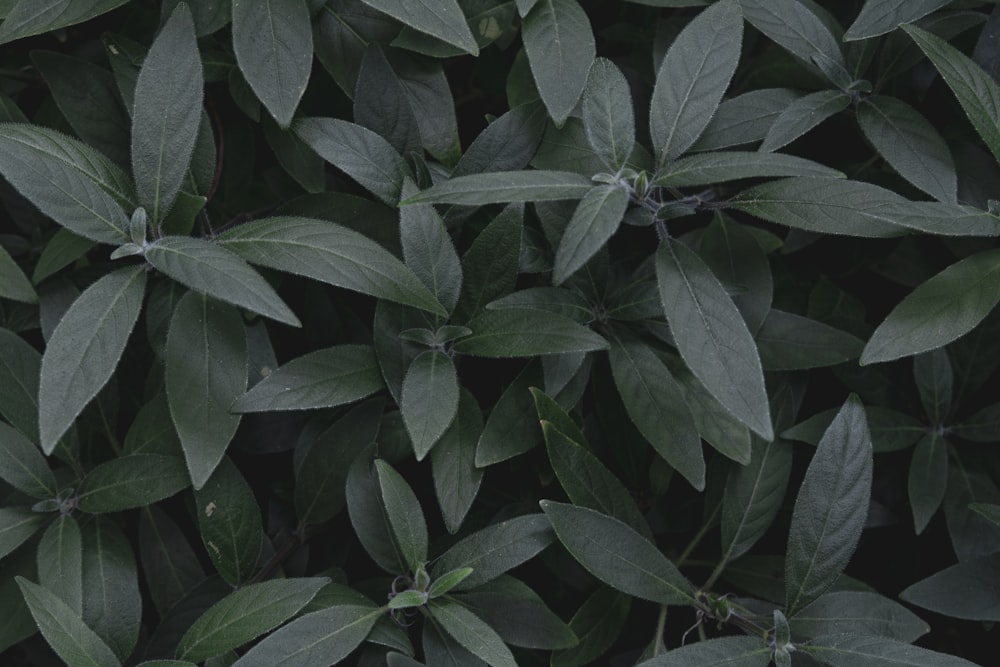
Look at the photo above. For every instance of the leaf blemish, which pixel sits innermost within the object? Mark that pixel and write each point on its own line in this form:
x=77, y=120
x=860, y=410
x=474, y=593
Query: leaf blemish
x=209, y=508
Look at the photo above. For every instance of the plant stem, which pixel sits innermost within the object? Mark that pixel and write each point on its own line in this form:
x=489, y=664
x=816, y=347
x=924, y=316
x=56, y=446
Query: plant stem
x=661, y=623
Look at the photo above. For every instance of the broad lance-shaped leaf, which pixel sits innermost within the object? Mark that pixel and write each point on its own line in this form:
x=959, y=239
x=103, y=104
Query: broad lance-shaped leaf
x=861, y=612
x=272, y=40
x=721, y=652
x=471, y=632
x=831, y=508
x=229, y=522
x=491, y=264
x=321, y=379
x=33, y=17
x=878, y=17
x=525, y=332
x=855, y=208
x=941, y=309
x=429, y=252
x=245, y=614
x=863, y=650
x=84, y=349
x=429, y=400
x=64, y=630
x=560, y=46
x=211, y=269
x=594, y=221
x=801, y=115
x=167, y=111
x=517, y=613
x=67, y=180
x=17, y=525
x=332, y=254
x=453, y=463
x=787, y=341
x=23, y=466
x=20, y=365
x=442, y=19
x=13, y=283
x=112, y=604
x=795, y=27
x=358, y=152
x=964, y=590
x=693, y=77
x=60, y=561
x=608, y=117
x=505, y=186
x=135, y=480
x=711, y=335
x=722, y=166
x=205, y=372
x=405, y=515
x=617, y=555
x=975, y=90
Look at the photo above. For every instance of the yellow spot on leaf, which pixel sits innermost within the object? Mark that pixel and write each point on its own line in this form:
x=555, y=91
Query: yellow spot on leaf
x=490, y=28
x=209, y=508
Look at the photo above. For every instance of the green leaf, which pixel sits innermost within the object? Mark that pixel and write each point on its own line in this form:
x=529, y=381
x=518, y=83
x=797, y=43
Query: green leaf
x=560, y=46
x=727, y=651
x=246, y=614
x=858, y=612
x=20, y=366
x=33, y=17
x=745, y=119
x=471, y=632
x=975, y=90
x=368, y=516
x=429, y=399
x=67, y=180
x=23, y=466
x=525, y=332
x=272, y=40
x=928, y=478
x=964, y=590
x=405, y=515
x=211, y=269
x=594, y=221
x=941, y=309
x=511, y=428
x=505, y=186
x=408, y=599
x=490, y=265
x=693, y=77
x=112, y=604
x=495, y=549
x=830, y=509
x=792, y=25
x=787, y=341
x=551, y=415
x=430, y=253
x=453, y=463
x=321, y=379
x=910, y=144
x=13, y=283
x=655, y=403
x=878, y=17
x=990, y=511
x=891, y=430
x=297, y=159
x=983, y=426
x=935, y=382
x=230, y=523
x=64, y=630
x=85, y=348
x=358, y=152
x=866, y=651
x=442, y=19
x=321, y=637
x=860, y=209
x=132, y=481
x=507, y=143
x=166, y=115
x=722, y=166
x=62, y=249
x=60, y=561
x=802, y=115
x=608, y=117
x=617, y=555
x=17, y=525
x=972, y=535
x=170, y=565
x=597, y=623
x=711, y=335
x=206, y=371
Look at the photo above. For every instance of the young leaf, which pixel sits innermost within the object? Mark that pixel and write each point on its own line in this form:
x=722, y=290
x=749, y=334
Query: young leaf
x=851, y=650
x=230, y=522
x=878, y=17
x=429, y=399
x=324, y=637
x=711, y=335
x=321, y=379
x=166, y=115
x=23, y=466
x=64, y=630
x=405, y=515
x=858, y=612
x=693, y=77
x=60, y=561
x=471, y=632
x=722, y=166
x=245, y=615
x=941, y=309
x=453, y=463
x=211, y=269
x=802, y=115
x=617, y=555
x=964, y=590
x=525, y=332
x=440, y=649
x=830, y=509
x=33, y=17
x=500, y=187
x=594, y=221
x=132, y=481
x=85, y=348
x=442, y=19
x=727, y=651
x=608, y=117
x=272, y=40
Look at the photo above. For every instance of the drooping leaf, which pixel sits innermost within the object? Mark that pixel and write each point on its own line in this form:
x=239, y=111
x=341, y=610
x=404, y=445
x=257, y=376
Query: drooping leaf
x=500, y=187
x=23, y=466
x=429, y=399
x=85, y=348
x=850, y=650
x=442, y=19
x=721, y=166
x=802, y=115
x=858, y=612
x=617, y=555
x=830, y=509
x=471, y=632
x=524, y=332
x=272, y=40
x=33, y=17
x=693, y=77
x=453, y=463
x=608, y=117
x=964, y=590
x=60, y=561
x=132, y=481
x=230, y=523
x=594, y=221
x=727, y=651
x=711, y=335
x=112, y=604
x=878, y=17
x=166, y=114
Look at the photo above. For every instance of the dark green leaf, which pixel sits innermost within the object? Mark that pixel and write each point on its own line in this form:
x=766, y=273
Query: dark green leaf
x=935, y=381
x=300, y=161
x=211, y=269
x=230, y=523
x=507, y=143
x=693, y=77
x=63, y=249
x=405, y=515
x=878, y=17
x=519, y=615
x=928, y=478
x=830, y=509
x=972, y=535
x=608, y=118
x=727, y=651
x=23, y=466
x=524, y=332
x=552, y=416
x=245, y=615
x=447, y=581
x=429, y=401
x=169, y=563
x=511, y=428
x=890, y=430
x=85, y=348
x=453, y=463
x=617, y=555
x=745, y=119
x=17, y=525
x=791, y=342
x=984, y=426
x=13, y=283
x=597, y=623
x=490, y=265
x=33, y=17
x=60, y=561
x=131, y=481
x=368, y=515
x=794, y=26
x=721, y=166
x=965, y=590
x=112, y=604
x=594, y=221
x=166, y=114
x=560, y=47
x=381, y=104
x=858, y=612
x=442, y=19
x=430, y=253
x=802, y=115
x=711, y=335
x=20, y=366
x=867, y=651
x=505, y=186
x=471, y=632
x=272, y=40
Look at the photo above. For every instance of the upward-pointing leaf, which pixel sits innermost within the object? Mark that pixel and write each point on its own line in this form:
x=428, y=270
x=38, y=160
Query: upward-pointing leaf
x=471, y=632
x=439, y=18
x=712, y=336
x=404, y=513
x=229, y=522
x=608, y=117
x=33, y=17
x=273, y=43
x=595, y=220
x=693, y=77
x=84, y=350
x=430, y=253
x=429, y=401
x=878, y=17
x=831, y=508
x=166, y=115
x=13, y=283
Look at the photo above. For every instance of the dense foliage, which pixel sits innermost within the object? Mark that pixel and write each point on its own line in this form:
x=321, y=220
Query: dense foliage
x=547, y=332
